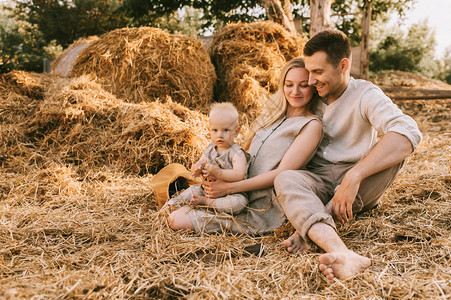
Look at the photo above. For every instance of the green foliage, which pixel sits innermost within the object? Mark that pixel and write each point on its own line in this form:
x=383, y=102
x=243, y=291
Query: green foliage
x=22, y=46
x=411, y=52
x=215, y=13
x=145, y=12
x=444, y=67
x=351, y=23
x=185, y=21
x=68, y=20
x=63, y=21
x=219, y=12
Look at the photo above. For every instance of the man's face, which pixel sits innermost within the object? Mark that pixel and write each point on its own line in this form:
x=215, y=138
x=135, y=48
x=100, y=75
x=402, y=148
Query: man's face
x=329, y=80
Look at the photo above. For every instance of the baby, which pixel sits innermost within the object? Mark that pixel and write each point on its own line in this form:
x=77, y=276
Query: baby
x=223, y=159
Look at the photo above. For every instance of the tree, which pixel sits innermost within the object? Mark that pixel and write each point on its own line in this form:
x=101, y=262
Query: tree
x=320, y=11
x=186, y=21
x=68, y=20
x=280, y=12
x=346, y=13
x=444, y=67
x=22, y=46
x=405, y=51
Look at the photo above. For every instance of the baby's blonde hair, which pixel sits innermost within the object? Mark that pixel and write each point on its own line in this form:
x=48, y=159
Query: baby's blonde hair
x=225, y=108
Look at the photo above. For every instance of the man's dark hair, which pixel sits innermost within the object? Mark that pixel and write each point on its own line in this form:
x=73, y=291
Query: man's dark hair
x=334, y=42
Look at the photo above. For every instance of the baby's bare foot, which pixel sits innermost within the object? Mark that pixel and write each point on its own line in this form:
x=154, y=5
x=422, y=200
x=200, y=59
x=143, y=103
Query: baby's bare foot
x=198, y=200
x=295, y=243
x=342, y=265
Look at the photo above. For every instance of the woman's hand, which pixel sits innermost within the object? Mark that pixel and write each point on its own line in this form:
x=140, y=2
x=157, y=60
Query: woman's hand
x=216, y=189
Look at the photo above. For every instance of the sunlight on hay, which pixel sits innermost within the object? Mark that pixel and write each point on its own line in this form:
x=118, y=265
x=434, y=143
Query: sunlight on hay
x=143, y=64
x=248, y=58
x=63, y=64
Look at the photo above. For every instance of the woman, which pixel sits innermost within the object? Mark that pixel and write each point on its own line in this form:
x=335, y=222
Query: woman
x=284, y=137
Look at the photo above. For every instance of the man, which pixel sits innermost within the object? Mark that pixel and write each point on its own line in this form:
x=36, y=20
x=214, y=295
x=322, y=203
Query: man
x=351, y=169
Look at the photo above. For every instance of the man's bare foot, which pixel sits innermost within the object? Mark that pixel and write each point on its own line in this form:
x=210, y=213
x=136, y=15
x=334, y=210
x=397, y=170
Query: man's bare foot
x=198, y=200
x=295, y=243
x=342, y=265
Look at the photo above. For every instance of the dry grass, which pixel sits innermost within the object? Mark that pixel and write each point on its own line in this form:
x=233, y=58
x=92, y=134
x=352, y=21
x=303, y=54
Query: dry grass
x=143, y=64
x=406, y=79
x=78, y=219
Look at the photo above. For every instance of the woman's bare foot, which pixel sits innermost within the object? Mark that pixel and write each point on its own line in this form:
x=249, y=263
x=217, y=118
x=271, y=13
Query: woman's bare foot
x=198, y=200
x=295, y=243
x=342, y=265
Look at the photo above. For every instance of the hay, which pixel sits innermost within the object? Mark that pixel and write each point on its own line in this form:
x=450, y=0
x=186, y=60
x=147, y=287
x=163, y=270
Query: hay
x=23, y=83
x=79, y=123
x=406, y=79
x=84, y=125
x=100, y=236
x=144, y=64
x=248, y=58
x=77, y=223
x=63, y=64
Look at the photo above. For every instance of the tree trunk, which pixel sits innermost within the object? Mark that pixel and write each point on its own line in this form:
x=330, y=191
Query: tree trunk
x=279, y=11
x=320, y=11
x=365, y=53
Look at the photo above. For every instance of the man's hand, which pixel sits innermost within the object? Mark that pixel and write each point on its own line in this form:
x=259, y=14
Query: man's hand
x=344, y=198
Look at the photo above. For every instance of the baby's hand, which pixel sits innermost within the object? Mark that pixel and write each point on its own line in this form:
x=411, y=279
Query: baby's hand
x=210, y=170
x=196, y=170
x=198, y=200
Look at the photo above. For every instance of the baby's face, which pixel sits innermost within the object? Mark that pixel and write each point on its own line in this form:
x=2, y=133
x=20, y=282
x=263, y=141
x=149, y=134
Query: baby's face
x=223, y=130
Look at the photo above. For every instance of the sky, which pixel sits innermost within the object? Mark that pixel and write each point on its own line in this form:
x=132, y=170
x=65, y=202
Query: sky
x=438, y=13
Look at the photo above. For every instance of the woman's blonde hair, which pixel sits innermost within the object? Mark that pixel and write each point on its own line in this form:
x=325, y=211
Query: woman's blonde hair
x=276, y=105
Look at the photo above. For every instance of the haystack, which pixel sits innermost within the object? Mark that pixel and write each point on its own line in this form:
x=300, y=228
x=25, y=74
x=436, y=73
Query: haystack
x=20, y=94
x=83, y=125
x=63, y=64
x=248, y=58
x=144, y=64
x=24, y=83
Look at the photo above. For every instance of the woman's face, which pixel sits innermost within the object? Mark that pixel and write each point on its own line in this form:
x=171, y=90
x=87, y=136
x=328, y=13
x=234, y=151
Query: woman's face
x=296, y=89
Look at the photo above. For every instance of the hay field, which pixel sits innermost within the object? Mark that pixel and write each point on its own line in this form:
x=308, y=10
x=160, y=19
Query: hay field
x=78, y=219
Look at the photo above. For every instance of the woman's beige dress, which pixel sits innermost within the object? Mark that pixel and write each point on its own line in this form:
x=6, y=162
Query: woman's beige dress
x=262, y=214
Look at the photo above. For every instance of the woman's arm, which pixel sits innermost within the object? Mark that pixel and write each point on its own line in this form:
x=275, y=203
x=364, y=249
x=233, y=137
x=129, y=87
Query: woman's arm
x=296, y=156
